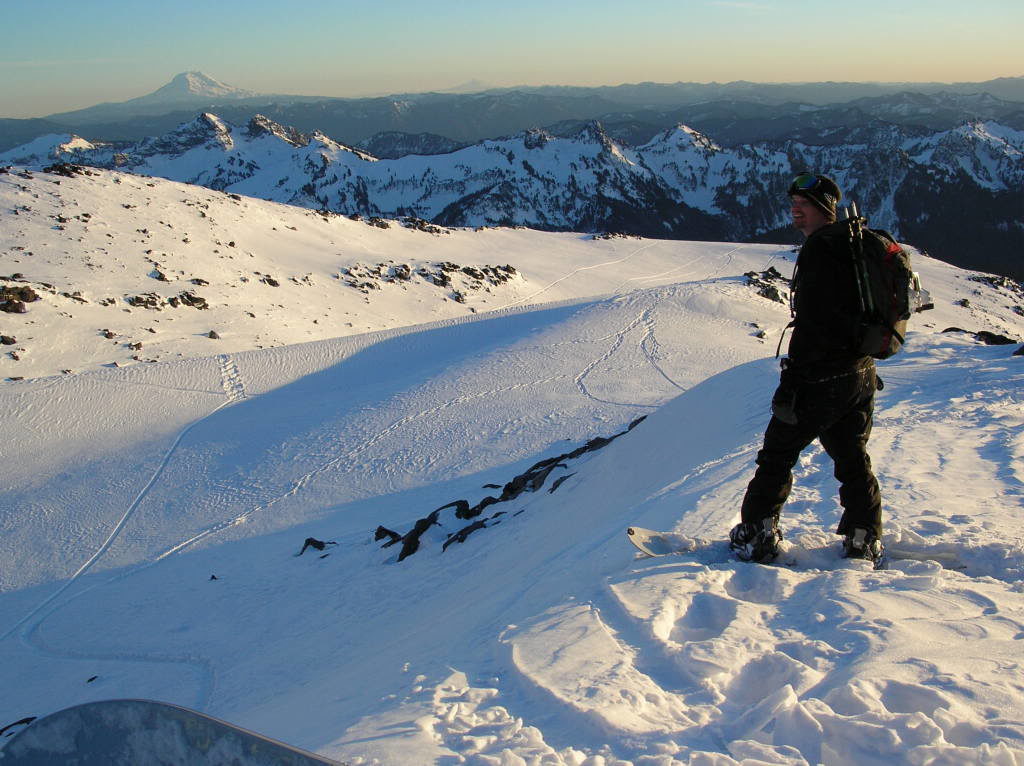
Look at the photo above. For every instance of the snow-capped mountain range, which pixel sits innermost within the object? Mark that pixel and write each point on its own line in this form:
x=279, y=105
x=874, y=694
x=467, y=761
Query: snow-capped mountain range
x=367, y=374
x=952, y=192
x=128, y=268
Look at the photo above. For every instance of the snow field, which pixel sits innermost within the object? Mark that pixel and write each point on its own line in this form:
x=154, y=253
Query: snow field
x=151, y=515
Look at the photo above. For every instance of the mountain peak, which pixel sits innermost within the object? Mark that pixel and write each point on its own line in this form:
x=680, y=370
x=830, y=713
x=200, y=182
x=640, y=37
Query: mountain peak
x=197, y=86
x=260, y=125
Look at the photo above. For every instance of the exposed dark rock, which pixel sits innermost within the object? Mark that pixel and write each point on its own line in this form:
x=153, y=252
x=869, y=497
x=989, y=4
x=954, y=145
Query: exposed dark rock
x=767, y=284
x=145, y=301
x=67, y=170
x=462, y=534
x=614, y=235
x=425, y=226
x=558, y=482
x=999, y=282
x=14, y=297
x=391, y=536
x=985, y=336
x=14, y=307
x=994, y=339
x=312, y=542
x=411, y=540
x=532, y=480
x=365, y=277
x=193, y=300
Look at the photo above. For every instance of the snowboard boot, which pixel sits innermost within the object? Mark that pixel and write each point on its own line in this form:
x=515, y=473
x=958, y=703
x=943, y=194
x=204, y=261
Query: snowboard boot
x=862, y=544
x=756, y=541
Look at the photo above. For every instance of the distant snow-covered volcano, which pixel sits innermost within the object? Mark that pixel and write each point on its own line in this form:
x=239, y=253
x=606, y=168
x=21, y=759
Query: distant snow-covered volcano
x=195, y=86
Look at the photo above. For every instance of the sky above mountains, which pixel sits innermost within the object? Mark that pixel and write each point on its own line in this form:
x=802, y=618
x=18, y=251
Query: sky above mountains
x=63, y=55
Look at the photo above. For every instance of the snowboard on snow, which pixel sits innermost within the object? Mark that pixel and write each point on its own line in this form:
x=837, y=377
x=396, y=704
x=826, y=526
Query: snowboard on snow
x=654, y=543
x=131, y=732
x=659, y=543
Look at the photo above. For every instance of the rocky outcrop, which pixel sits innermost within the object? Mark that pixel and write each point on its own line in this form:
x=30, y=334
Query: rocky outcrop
x=531, y=480
x=769, y=284
x=450, y=276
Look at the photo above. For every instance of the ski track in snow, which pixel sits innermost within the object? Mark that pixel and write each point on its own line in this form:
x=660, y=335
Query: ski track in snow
x=648, y=346
x=576, y=271
x=115, y=531
x=29, y=625
x=651, y=349
x=620, y=338
x=231, y=379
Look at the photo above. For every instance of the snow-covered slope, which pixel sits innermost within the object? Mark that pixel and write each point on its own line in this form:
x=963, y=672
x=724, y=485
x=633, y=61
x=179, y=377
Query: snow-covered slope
x=108, y=254
x=117, y=260
x=152, y=513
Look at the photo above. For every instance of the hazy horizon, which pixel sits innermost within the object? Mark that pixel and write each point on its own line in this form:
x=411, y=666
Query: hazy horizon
x=61, y=56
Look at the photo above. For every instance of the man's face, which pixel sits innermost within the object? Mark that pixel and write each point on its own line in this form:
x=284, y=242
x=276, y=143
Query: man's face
x=807, y=217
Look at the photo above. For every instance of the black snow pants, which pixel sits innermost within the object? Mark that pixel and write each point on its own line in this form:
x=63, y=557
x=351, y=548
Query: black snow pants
x=837, y=410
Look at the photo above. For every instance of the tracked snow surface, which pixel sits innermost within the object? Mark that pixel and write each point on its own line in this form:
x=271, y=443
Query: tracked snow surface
x=151, y=512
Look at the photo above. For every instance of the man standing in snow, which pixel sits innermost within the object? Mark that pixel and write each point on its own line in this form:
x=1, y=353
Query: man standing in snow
x=826, y=390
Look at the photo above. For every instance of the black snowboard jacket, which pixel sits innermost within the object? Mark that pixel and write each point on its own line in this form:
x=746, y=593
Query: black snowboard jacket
x=827, y=316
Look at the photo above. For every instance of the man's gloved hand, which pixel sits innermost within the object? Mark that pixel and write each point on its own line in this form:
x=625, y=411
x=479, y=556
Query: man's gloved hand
x=784, y=401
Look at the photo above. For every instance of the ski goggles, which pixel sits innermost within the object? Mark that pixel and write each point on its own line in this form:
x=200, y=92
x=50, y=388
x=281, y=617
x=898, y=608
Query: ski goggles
x=804, y=182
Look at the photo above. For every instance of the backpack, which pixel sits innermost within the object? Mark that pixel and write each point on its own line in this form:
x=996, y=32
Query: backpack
x=887, y=288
